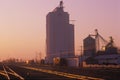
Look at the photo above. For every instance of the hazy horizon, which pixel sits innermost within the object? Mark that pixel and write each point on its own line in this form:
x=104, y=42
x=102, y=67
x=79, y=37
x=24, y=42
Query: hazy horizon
x=23, y=24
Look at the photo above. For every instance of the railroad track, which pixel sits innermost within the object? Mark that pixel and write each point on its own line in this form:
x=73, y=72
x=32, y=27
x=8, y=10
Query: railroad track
x=69, y=75
x=10, y=74
x=48, y=73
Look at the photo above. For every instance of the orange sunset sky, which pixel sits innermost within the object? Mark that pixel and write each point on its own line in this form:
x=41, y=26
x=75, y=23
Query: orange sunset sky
x=23, y=24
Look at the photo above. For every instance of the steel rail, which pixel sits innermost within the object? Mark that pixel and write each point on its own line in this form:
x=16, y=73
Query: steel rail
x=14, y=73
x=6, y=73
x=69, y=75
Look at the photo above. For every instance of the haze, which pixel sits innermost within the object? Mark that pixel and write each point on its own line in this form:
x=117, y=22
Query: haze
x=23, y=24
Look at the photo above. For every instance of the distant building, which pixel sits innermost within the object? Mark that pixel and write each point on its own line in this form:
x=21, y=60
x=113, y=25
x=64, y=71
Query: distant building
x=89, y=46
x=59, y=34
x=108, y=59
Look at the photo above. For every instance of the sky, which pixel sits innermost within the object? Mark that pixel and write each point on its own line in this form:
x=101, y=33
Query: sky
x=23, y=24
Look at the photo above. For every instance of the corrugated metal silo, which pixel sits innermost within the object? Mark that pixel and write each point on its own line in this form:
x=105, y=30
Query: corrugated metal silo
x=89, y=46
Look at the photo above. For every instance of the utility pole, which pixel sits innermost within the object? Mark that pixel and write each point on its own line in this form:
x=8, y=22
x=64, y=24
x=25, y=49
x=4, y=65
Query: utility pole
x=81, y=55
x=81, y=50
x=40, y=56
x=36, y=57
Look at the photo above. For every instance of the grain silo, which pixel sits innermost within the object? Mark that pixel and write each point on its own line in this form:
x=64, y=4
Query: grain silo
x=89, y=46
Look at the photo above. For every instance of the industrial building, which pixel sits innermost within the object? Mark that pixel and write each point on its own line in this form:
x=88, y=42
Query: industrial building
x=59, y=34
x=97, y=53
x=107, y=59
